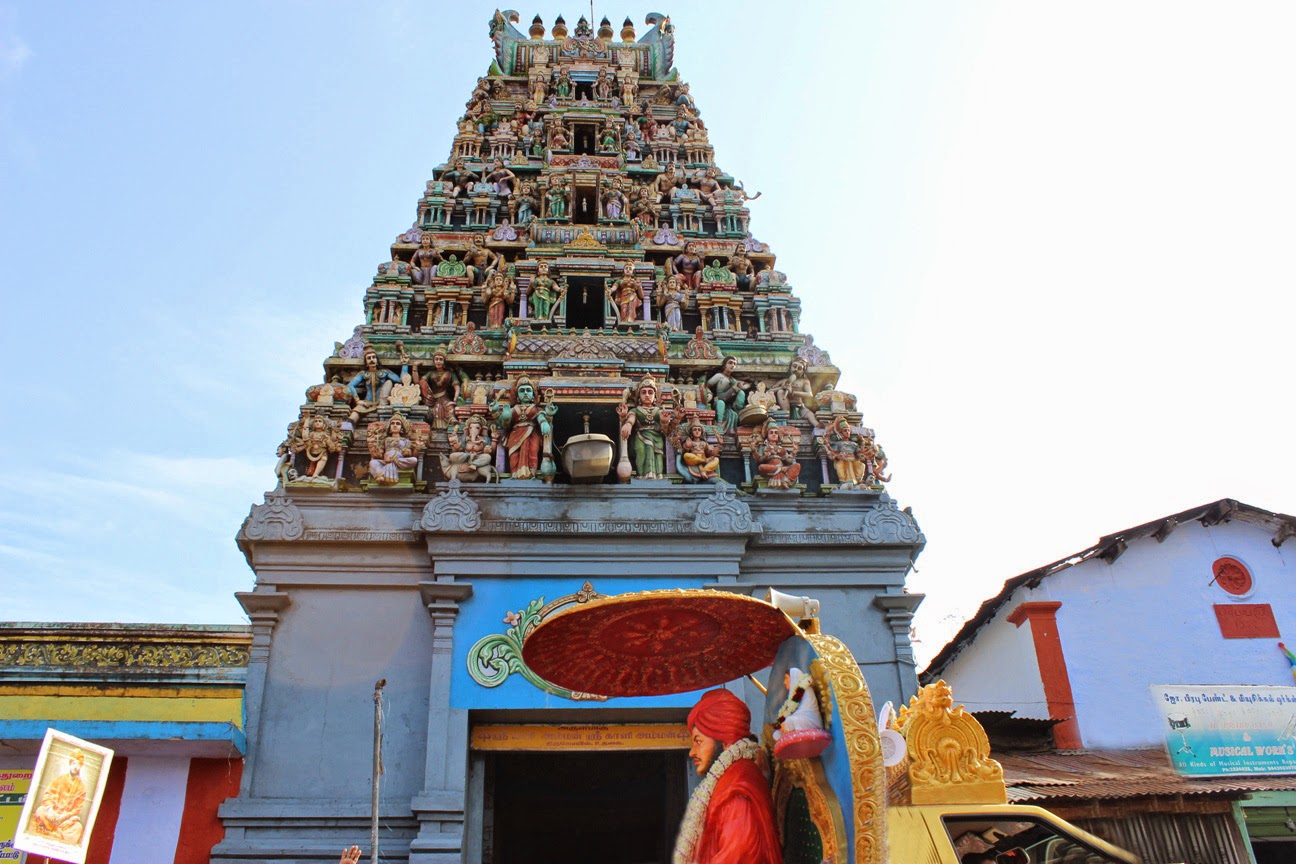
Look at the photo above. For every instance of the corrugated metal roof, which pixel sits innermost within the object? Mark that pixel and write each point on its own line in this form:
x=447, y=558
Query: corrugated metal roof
x=1109, y=548
x=1106, y=774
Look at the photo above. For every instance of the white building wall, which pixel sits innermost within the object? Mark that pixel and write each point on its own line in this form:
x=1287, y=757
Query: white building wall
x=1146, y=619
x=998, y=671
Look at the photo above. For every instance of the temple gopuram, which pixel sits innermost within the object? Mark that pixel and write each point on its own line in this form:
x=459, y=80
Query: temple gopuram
x=578, y=374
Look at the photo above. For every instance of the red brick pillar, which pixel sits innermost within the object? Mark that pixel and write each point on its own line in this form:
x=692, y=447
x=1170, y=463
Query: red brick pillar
x=1053, y=669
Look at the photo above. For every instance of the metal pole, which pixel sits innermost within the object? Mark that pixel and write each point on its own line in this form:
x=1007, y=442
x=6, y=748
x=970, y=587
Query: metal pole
x=377, y=770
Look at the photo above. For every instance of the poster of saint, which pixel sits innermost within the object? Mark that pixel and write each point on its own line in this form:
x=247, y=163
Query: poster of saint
x=63, y=799
x=13, y=792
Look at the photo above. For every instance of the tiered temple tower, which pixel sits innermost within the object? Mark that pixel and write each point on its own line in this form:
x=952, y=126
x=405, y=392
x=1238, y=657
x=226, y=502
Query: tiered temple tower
x=578, y=373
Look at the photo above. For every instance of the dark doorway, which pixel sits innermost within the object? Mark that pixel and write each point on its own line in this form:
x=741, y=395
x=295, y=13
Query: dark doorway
x=1274, y=852
x=586, y=808
x=585, y=302
x=584, y=206
x=584, y=138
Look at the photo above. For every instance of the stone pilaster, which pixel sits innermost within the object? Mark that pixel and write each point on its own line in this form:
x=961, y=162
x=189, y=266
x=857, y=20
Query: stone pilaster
x=899, y=610
x=263, y=608
x=440, y=806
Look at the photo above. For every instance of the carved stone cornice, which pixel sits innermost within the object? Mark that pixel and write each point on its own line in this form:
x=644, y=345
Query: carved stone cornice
x=450, y=510
x=886, y=523
x=277, y=519
x=724, y=513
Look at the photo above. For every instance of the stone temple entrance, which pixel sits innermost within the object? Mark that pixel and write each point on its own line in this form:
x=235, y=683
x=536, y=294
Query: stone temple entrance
x=583, y=808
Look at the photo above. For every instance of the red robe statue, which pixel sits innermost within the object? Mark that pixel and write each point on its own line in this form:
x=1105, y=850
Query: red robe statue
x=740, y=820
x=738, y=824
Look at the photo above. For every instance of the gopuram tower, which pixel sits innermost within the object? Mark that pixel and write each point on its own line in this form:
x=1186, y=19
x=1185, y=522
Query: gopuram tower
x=578, y=374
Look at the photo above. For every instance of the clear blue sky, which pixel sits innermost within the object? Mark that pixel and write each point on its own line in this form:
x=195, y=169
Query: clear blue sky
x=1050, y=245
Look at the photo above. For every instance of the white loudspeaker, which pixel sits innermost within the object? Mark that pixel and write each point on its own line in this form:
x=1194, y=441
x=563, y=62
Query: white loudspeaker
x=794, y=607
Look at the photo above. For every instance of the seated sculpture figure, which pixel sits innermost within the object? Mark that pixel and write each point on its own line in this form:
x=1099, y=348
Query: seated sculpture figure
x=799, y=728
x=392, y=450
x=775, y=461
x=472, y=452
x=699, y=459
x=795, y=394
x=729, y=394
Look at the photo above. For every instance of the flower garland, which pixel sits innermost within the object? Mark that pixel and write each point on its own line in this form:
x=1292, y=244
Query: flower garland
x=695, y=815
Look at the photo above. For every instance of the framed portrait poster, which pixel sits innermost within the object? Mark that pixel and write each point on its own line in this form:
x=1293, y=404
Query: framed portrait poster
x=63, y=799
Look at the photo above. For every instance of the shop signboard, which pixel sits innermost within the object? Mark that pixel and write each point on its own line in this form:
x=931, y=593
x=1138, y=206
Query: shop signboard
x=13, y=792
x=1216, y=731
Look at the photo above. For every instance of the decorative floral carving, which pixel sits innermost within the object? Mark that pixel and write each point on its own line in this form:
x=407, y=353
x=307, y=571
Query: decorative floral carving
x=863, y=748
x=812, y=355
x=723, y=513
x=277, y=519
x=468, y=342
x=452, y=510
x=586, y=348
x=495, y=657
x=948, y=751
x=154, y=655
x=700, y=347
x=887, y=523
x=351, y=349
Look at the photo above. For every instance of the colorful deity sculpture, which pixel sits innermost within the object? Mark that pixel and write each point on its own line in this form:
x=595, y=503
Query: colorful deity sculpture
x=499, y=292
x=844, y=448
x=795, y=394
x=471, y=457
x=545, y=293
x=699, y=459
x=372, y=385
x=742, y=267
x=874, y=459
x=775, y=460
x=673, y=298
x=728, y=393
x=441, y=389
x=645, y=425
x=626, y=295
x=688, y=266
x=528, y=431
x=315, y=438
x=481, y=262
x=392, y=448
x=502, y=179
x=424, y=261
x=556, y=198
x=524, y=204
x=614, y=202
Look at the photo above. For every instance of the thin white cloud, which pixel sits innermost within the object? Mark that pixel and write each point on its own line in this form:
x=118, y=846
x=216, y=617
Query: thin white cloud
x=30, y=555
x=14, y=54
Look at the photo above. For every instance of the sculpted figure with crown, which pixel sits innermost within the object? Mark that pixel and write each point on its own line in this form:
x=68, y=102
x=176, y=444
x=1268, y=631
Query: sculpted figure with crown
x=645, y=426
x=528, y=429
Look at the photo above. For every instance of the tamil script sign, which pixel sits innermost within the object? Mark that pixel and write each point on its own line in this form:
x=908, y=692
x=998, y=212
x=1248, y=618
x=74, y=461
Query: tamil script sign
x=1215, y=731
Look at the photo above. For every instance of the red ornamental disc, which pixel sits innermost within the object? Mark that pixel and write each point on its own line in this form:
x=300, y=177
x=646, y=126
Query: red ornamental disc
x=656, y=642
x=1233, y=576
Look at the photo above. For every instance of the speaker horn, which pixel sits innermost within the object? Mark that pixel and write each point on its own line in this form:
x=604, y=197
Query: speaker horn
x=796, y=608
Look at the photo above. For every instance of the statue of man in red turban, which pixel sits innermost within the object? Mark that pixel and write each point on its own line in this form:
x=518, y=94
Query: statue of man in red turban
x=730, y=816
